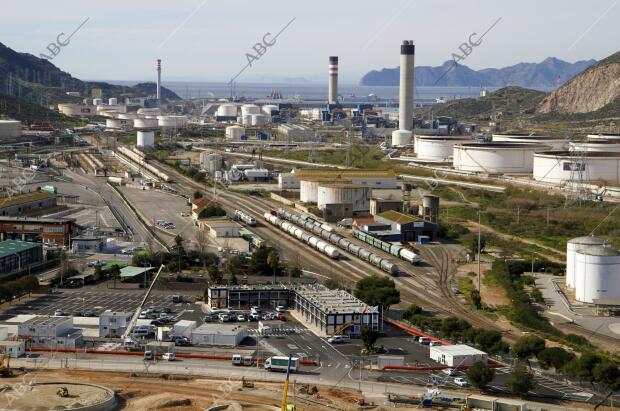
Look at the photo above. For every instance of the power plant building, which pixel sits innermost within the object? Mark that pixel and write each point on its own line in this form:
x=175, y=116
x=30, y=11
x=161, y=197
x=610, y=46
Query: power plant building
x=295, y=133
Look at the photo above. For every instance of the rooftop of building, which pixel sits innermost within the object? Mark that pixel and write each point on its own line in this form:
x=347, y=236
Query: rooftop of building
x=342, y=174
x=10, y=247
x=398, y=217
x=131, y=271
x=458, y=349
x=386, y=200
x=40, y=320
x=34, y=220
x=25, y=198
x=226, y=329
x=221, y=223
x=333, y=301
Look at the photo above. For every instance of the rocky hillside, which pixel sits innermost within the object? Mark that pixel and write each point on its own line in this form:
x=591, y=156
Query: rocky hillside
x=592, y=90
x=549, y=73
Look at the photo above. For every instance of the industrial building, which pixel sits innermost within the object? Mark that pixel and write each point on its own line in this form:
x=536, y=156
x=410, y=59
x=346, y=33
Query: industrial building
x=58, y=231
x=380, y=205
x=113, y=324
x=403, y=227
x=242, y=297
x=220, y=228
x=496, y=158
x=295, y=133
x=18, y=255
x=15, y=348
x=458, y=355
x=50, y=332
x=27, y=203
x=559, y=167
x=226, y=335
x=87, y=244
x=10, y=131
x=333, y=312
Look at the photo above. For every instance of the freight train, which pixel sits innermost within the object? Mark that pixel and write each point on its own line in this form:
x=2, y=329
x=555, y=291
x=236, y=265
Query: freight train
x=338, y=240
x=394, y=249
x=302, y=235
x=246, y=218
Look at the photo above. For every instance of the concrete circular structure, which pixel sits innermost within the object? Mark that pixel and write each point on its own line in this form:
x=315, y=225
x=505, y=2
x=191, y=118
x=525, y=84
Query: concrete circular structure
x=597, y=274
x=574, y=245
x=553, y=142
x=599, y=146
x=145, y=138
x=42, y=397
x=227, y=110
x=560, y=167
x=153, y=111
x=10, y=129
x=348, y=195
x=75, y=110
x=145, y=123
x=401, y=138
x=172, y=121
x=437, y=148
x=495, y=158
x=268, y=109
x=118, y=123
x=234, y=132
x=603, y=136
x=309, y=190
x=258, y=119
x=249, y=109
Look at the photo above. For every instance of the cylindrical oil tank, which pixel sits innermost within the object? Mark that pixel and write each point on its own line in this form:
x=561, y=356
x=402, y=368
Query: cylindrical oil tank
x=600, y=146
x=212, y=162
x=603, y=136
x=108, y=113
x=597, y=274
x=249, y=109
x=97, y=102
x=268, y=109
x=117, y=123
x=145, y=138
x=358, y=196
x=112, y=101
x=246, y=120
x=76, y=110
x=258, y=119
x=496, y=158
x=401, y=138
x=10, y=129
x=151, y=111
x=227, y=110
x=430, y=148
x=554, y=142
x=308, y=191
x=172, y=121
x=574, y=245
x=128, y=116
x=559, y=167
x=140, y=123
x=234, y=132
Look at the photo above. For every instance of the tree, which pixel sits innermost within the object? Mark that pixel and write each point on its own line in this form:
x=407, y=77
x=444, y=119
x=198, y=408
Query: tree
x=375, y=290
x=232, y=279
x=520, y=380
x=273, y=261
x=234, y=265
x=608, y=375
x=476, y=300
x=115, y=272
x=583, y=367
x=474, y=244
x=197, y=195
x=295, y=272
x=97, y=273
x=528, y=346
x=332, y=284
x=554, y=357
x=479, y=375
x=369, y=338
x=215, y=277
x=258, y=262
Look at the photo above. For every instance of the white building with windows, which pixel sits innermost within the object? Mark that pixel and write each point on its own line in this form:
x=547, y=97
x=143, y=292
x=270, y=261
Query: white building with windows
x=457, y=355
x=113, y=324
x=50, y=332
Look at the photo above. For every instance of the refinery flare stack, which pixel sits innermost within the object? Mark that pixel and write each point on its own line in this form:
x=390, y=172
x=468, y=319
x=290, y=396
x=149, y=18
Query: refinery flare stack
x=402, y=136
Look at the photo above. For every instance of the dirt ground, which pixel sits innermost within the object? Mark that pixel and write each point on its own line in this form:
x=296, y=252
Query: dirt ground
x=180, y=393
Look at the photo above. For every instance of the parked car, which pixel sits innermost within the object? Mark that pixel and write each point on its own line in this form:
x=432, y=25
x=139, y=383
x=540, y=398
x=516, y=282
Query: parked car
x=281, y=309
x=77, y=313
x=254, y=317
x=149, y=356
x=224, y=317
x=59, y=313
x=434, y=343
x=166, y=310
x=89, y=314
x=449, y=371
x=336, y=339
x=168, y=356
x=241, y=318
x=461, y=382
x=424, y=340
x=281, y=317
x=180, y=340
x=158, y=323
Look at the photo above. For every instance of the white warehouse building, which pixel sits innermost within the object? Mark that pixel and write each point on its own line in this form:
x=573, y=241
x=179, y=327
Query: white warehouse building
x=496, y=158
x=558, y=167
x=572, y=247
x=597, y=275
x=457, y=355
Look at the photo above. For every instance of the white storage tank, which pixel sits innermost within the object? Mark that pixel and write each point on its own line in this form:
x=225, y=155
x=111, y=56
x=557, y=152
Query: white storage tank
x=117, y=123
x=437, y=148
x=112, y=101
x=574, y=245
x=259, y=119
x=234, y=132
x=308, y=191
x=128, y=116
x=97, y=102
x=145, y=138
x=172, y=121
x=246, y=120
x=10, y=129
x=559, y=167
x=249, y=109
x=357, y=196
x=227, y=110
x=401, y=138
x=154, y=111
x=600, y=146
x=554, y=142
x=212, y=162
x=495, y=158
x=75, y=110
x=597, y=274
x=145, y=123
x=268, y=109
x=108, y=113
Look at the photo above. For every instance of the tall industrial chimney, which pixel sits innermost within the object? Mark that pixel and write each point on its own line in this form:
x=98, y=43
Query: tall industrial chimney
x=158, y=79
x=402, y=136
x=332, y=92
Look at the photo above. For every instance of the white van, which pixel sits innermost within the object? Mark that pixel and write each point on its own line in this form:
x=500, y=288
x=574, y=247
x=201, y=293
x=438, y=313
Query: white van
x=424, y=340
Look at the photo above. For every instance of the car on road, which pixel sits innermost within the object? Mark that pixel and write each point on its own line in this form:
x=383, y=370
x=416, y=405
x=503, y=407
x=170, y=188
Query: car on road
x=241, y=318
x=170, y=226
x=180, y=340
x=161, y=222
x=59, y=313
x=168, y=356
x=149, y=356
x=184, y=214
x=449, y=371
x=336, y=339
x=127, y=251
x=461, y=382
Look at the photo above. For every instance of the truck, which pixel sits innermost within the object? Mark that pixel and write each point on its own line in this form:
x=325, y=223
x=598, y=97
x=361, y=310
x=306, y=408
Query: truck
x=279, y=363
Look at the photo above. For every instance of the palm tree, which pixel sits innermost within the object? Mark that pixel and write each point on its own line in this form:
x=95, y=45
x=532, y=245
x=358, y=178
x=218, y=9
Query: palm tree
x=273, y=260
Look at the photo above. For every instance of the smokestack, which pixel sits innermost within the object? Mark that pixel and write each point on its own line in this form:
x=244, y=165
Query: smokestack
x=405, y=102
x=158, y=79
x=332, y=91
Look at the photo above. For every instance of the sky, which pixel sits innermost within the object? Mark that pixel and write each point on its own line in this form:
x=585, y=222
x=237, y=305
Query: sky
x=209, y=40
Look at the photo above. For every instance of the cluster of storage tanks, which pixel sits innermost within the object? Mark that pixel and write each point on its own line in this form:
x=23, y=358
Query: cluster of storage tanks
x=246, y=114
x=593, y=269
x=327, y=233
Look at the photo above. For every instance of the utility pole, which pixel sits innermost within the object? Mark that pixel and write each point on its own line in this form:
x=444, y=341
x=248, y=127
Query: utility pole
x=479, y=237
x=518, y=214
x=547, y=216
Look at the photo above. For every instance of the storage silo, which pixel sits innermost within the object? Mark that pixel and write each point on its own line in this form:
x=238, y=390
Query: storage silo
x=234, y=132
x=430, y=208
x=97, y=102
x=227, y=110
x=112, y=101
x=145, y=123
x=212, y=162
x=145, y=138
x=574, y=245
x=554, y=142
x=430, y=148
x=401, y=138
x=258, y=119
x=597, y=274
x=249, y=109
x=355, y=196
